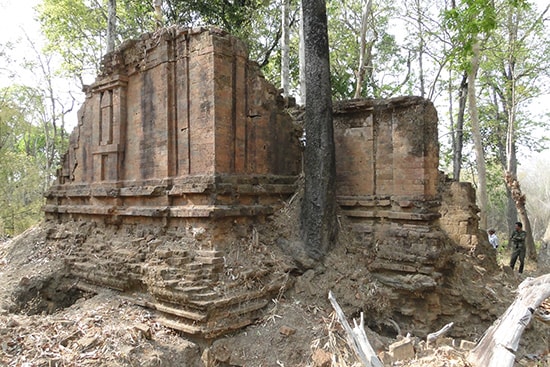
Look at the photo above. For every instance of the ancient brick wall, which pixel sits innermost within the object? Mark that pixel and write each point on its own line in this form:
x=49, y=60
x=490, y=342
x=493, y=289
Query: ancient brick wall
x=387, y=186
x=388, y=155
x=180, y=117
x=182, y=148
x=409, y=220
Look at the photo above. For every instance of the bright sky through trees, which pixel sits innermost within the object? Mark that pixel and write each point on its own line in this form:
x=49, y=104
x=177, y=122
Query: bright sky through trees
x=17, y=19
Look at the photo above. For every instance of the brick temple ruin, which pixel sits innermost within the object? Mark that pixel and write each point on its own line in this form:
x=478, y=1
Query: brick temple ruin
x=183, y=146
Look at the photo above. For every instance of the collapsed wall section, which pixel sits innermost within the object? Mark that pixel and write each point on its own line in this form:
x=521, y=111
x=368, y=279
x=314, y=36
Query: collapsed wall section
x=412, y=222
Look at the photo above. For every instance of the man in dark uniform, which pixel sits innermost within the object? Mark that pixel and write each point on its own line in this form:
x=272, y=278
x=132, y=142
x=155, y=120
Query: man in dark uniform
x=517, y=241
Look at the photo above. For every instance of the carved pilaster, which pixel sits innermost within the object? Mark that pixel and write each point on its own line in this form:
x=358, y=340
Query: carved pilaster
x=109, y=129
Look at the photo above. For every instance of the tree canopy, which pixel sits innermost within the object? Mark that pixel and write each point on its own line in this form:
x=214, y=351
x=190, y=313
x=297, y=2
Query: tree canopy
x=377, y=49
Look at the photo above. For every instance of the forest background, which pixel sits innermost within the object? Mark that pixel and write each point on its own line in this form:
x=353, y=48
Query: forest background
x=484, y=64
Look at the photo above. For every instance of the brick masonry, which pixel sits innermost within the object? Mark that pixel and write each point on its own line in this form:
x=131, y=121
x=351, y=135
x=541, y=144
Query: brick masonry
x=182, y=146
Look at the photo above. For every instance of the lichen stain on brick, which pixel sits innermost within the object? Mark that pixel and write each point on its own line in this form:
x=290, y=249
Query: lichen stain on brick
x=148, y=116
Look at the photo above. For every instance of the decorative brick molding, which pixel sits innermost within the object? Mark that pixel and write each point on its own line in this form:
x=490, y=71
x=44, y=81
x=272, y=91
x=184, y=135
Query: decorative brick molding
x=182, y=149
x=180, y=131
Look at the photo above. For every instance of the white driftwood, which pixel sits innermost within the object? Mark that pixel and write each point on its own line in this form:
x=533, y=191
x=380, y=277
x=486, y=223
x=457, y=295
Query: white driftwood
x=357, y=338
x=498, y=346
x=438, y=334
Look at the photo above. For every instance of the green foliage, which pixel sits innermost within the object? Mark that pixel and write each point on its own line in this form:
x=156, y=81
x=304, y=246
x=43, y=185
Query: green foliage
x=233, y=16
x=467, y=21
x=388, y=66
x=25, y=172
x=21, y=195
x=77, y=29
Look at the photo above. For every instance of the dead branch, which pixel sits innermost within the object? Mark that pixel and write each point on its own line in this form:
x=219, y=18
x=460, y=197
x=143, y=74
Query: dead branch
x=356, y=336
x=438, y=334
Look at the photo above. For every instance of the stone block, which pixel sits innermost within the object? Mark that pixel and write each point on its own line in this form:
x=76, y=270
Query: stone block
x=402, y=350
x=444, y=341
x=321, y=358
x=287, y=330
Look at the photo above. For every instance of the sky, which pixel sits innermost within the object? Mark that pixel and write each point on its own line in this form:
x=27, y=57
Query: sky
x=18, y=23
x=16, y=20
x=16, y=14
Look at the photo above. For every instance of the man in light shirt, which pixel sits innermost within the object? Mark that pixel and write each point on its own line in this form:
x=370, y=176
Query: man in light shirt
x=493, y=239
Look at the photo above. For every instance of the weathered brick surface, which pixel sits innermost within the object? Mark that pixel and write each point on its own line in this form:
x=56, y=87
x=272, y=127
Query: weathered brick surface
x=183, y=146
x=181, y=132
x=173, y=105
x=387, y=147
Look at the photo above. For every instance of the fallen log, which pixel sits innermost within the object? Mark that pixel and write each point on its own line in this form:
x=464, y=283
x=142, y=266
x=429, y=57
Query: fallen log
x=499, y=344
x=356, y=336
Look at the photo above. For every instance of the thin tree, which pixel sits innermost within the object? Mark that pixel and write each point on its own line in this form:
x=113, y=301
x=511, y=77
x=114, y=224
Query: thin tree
x=458, y=129
x=302, y=57
x=365, y=49
x=476, y=135
x=157, y=5
x=285, y=48
x=111, y=25
x=471, y=22
x=512, y=75
x=514, y=66
x=319, y=227
x=51, y=114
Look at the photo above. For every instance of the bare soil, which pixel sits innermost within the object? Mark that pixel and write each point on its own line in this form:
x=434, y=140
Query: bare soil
x=46, y=321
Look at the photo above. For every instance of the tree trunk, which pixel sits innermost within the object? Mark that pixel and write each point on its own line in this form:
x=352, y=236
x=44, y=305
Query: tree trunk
x=363, y=49
x=458, y=132
x=511, y=164
x=157, y=5
x=519, y=200
x=319, y=204
x=476, y=135
x=111, y=25
x=302, y=58
x=498, y=346
x=511, y=210
x=419, y=23
x=285, y=49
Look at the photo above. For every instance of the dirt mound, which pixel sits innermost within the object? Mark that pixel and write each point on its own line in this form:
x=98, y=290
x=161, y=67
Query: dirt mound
x=46, y=320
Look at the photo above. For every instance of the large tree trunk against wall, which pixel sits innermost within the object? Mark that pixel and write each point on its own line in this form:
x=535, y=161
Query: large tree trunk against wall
x=519, y=200
x=319, y=203
x=476, y=135
x=498, y=346
x=111, y=25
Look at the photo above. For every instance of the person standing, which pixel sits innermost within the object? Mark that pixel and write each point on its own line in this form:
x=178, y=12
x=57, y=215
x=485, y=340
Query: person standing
x=493, y=239
x=517, y=241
